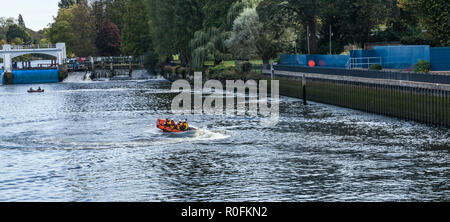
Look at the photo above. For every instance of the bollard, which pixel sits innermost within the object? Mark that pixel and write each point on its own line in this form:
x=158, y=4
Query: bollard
x=304, y=89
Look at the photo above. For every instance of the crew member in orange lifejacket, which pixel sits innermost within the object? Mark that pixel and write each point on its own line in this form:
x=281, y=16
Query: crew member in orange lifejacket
x=167, y=123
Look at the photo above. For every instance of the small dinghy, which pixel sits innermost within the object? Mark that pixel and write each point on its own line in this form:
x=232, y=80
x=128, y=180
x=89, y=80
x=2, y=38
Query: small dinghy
x=36, y=91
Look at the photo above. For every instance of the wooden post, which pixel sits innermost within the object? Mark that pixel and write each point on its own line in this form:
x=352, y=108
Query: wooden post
x=111, y=74
x=272, y=71
x=130, y=68
x=304, y=89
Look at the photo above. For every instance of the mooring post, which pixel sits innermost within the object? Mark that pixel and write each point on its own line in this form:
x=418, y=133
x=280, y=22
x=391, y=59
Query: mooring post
x=272, y=71
x=111, y=68
x=304, y=89
x=130, y=68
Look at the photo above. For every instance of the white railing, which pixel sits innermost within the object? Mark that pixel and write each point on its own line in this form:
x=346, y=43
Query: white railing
x=364, y=62
x=34, y=46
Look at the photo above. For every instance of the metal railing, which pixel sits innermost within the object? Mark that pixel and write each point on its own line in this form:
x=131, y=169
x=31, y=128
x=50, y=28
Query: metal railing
x=119, y=60
x=364, y=62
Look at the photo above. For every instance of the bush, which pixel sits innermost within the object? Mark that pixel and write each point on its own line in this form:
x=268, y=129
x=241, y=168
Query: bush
x=180, y=70
x=167, y=70
x=422, y=66
x=376, y=67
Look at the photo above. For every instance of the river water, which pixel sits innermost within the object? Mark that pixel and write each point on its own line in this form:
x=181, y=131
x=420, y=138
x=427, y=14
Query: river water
x=97, y=141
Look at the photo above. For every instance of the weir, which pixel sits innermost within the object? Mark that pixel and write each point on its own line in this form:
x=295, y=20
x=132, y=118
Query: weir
x=30, y=75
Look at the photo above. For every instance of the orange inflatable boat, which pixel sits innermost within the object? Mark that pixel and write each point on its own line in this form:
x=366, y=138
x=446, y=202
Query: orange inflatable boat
x=160, y=123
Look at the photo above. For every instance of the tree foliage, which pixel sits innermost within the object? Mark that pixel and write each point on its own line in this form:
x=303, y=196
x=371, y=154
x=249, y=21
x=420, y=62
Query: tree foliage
x=136, y=28
x=201, y=30
x=83, y=29
x=17, y=31
x=209, y=44
x=247, y=30
x=66, y=3
x=60, y=30
x=433, y=15
x=108, y=41
x=21, y=21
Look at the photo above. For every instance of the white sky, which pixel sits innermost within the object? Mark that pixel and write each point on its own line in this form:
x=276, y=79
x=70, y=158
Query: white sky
x=37, y=14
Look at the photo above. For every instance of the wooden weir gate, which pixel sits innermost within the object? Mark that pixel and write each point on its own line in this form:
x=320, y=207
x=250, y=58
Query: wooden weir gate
x=393, y=94
x=110, y=67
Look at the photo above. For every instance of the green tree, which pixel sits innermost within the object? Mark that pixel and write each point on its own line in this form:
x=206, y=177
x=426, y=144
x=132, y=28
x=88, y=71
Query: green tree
x=216, y=12
x=99, y=13
x=276, y=34
x=66, y=3
x=21, y=21
x=136, y=29
x=162, y=16
x=209, y=44
x=83, y=31
x=17, y=31
x=433, y=15
x=174, y=23
x=188, y=19
x=247, y=30
x=60, y=30
x=115, y=12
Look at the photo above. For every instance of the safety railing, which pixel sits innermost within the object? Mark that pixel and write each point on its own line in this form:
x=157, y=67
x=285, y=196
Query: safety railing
x=364, y=62
x=34, y=46
x=372, y=74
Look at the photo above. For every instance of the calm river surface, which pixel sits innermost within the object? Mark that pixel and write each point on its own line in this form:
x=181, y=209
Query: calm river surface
x=97, y=141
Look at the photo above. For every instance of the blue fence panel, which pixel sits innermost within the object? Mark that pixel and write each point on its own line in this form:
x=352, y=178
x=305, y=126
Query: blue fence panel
x=35, y=76
x=335, y=61
x=363, y=53
x=2, y=78
x=293, y=60
x=440, y=58
x=402, y=57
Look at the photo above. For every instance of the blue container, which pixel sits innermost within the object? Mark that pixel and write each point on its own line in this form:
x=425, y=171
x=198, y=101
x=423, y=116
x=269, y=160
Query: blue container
x=328, y=61
x=35, y=76
x=3, y=79
x=402, y=57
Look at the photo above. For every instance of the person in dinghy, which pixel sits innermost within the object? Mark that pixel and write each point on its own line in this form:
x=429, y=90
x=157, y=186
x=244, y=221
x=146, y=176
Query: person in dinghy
x=170, y=126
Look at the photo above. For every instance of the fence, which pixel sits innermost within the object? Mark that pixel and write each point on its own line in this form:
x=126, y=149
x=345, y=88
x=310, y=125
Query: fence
x=119, y=60
x=440, y=58
x=377, y=92
x=335, y=61
x=394, y=57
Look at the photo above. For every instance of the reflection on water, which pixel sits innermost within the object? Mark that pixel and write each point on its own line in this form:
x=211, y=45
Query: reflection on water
x=97, y=141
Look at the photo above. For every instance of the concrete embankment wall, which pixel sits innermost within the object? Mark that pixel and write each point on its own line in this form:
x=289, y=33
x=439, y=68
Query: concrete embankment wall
x=418, y=101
